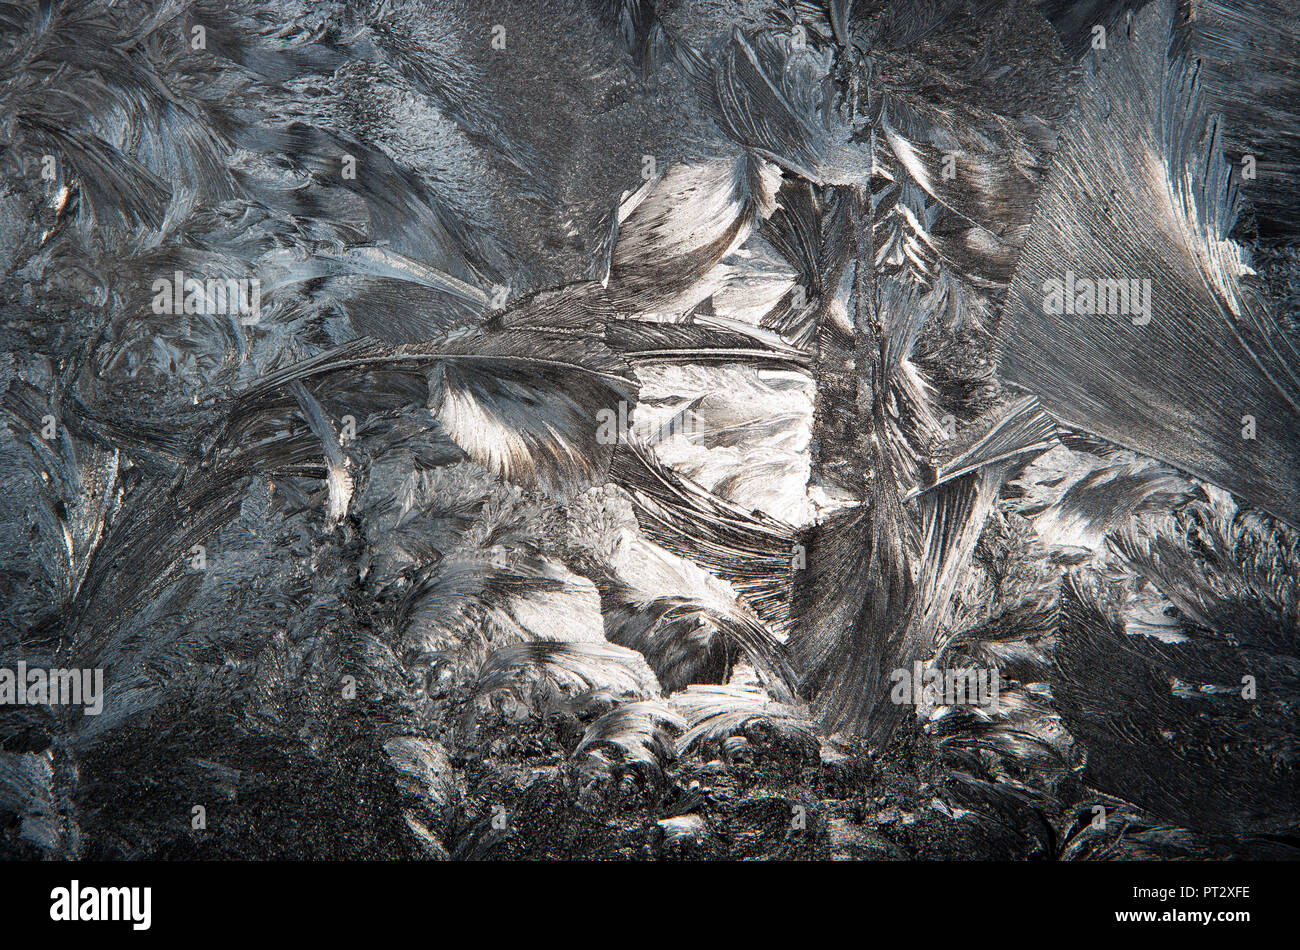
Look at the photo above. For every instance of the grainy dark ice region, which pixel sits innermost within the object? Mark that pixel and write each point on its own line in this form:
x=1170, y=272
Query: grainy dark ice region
x=649, y=429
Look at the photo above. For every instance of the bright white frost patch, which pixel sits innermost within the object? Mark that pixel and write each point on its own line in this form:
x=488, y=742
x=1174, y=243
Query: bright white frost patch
x=748, y=435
